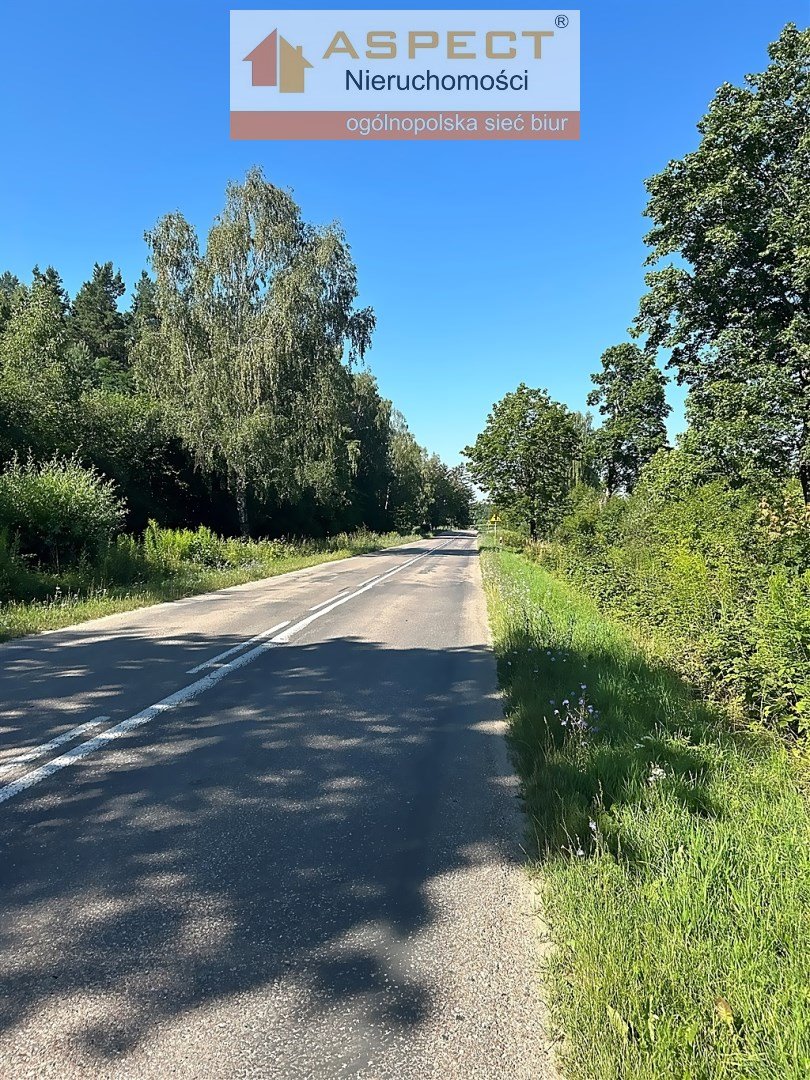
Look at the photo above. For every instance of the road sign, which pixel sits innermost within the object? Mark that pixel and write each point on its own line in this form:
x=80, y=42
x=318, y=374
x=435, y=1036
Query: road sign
x=495, y=519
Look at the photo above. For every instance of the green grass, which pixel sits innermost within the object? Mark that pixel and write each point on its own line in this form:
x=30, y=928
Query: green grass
x=81, y=594
x=673, y=854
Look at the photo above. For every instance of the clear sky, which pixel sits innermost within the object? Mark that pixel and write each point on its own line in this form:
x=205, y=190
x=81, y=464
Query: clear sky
x=487, y=263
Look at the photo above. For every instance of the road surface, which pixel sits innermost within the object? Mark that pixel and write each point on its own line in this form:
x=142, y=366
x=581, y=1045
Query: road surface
x=271, y=831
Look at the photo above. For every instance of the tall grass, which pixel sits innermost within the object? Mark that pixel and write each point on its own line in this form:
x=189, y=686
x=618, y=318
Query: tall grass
x=163, y=564
x=673, y=853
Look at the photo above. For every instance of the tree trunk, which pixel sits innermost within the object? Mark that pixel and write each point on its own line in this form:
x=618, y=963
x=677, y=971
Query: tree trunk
x=610, y=479
x=240, y=494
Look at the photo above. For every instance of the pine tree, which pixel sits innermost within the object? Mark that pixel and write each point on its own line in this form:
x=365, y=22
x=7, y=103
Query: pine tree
x=95, y=320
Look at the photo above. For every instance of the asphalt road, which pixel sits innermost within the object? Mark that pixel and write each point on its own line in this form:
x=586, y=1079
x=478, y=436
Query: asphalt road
x=270, y=832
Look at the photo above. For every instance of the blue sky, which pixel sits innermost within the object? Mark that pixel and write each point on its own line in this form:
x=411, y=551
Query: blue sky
x=487, y=263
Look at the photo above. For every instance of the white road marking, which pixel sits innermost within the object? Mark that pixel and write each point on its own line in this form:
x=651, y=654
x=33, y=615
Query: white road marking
x=237, y=648
x=193, y=690
x=130, y=724
x=45, y=748
x=323, y=603
x=283, y=639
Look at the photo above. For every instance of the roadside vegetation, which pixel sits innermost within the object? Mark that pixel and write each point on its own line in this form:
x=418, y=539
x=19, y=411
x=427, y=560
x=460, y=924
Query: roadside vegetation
x=160, y=564
x=672, y=851
x=651, y=612
x=229, y=400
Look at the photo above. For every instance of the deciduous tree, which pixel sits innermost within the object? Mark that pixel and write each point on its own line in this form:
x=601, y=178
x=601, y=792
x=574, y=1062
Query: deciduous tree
x=630, y=395
x=734, y=306
x=524, y=456
x=253, y=334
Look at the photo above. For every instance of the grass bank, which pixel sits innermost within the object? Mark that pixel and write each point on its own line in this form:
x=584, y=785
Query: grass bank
x=673, y=854
x=166, y=564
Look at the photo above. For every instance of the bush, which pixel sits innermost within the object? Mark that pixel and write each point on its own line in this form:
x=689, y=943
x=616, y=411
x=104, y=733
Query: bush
x=777, y=677
x=713, y=573
x=14, y=574
x=58, y=512
x=123, y=562
x=512, y=539
x=166, y=549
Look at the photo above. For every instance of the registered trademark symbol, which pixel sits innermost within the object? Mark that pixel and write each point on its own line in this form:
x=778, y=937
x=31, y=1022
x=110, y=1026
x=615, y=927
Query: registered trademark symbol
x=561, y=21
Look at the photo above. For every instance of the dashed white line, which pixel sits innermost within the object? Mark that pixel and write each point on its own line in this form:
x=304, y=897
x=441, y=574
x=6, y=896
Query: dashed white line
x=237, y=648
x=283, y=639
x=193, y=690
x=323, y=603
x=53, y=744
x=130, y=724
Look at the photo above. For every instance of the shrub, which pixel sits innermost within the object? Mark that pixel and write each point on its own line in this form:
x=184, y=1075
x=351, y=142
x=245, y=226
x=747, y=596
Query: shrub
x=58, y=512
x=166, y=549
x=714, y=573
x=777, y=677
x=206, y=547
x=123, y=562
x=512, y=539
x=14, y=574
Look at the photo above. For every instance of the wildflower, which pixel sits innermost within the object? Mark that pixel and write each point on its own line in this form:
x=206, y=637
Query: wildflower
x=592, y=825
x=565, y=701
x=582, y=686
x=656, y=773
x=580, y=852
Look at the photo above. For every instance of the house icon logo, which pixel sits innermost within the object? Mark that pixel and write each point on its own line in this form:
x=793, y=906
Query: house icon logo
x=278, y=63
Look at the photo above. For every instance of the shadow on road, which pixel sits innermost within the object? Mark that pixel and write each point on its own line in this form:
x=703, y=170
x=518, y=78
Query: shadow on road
x=227, y=848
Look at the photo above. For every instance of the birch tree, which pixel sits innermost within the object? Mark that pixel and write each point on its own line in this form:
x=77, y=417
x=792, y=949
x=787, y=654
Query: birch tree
x=257, y=332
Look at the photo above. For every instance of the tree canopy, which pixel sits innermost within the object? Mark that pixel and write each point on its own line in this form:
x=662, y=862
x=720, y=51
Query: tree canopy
x=231, y=392
x=253, y=331
x=525, y=455
x=630, y=393
x=734, y=305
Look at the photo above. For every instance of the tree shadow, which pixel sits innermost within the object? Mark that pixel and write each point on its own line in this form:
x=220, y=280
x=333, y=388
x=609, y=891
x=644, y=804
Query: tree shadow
x=279, y=834
x=597, y=732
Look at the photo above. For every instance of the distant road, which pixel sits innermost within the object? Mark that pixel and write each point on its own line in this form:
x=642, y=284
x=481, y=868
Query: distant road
x=271, y=831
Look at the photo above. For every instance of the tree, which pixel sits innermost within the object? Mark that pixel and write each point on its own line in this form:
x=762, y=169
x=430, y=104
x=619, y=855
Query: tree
x=95, y=320
x=253, y=334
x=35, y=335
x=369, y=449
x=407, y=498
x=735, y=309
x=630, y=395
x=449, y=493
x=51, y=281
x=143, y=321
x=742, y=430
x=10, y=289
x=584, y=467
x=524, y=457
